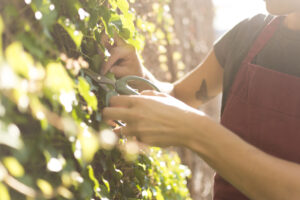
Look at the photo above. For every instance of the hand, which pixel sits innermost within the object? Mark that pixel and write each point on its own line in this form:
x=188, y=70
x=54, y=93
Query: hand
x=154, y=118
x=123, y=60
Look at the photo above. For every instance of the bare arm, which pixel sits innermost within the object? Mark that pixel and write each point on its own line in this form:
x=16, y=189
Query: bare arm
x=202, y=84
x=258, y=175
x=196, y=88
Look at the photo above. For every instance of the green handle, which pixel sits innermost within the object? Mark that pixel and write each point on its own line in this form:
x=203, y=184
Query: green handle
x=123, y=88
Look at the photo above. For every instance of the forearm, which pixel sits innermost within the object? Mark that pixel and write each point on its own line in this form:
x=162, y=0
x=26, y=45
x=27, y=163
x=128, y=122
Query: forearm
x=163, y=86
x=175, y=90
x=255, y=173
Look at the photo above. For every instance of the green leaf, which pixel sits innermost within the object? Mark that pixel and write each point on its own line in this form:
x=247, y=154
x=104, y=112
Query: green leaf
x=84, y=91
x=113, y=4
x=45, y=187
x=10, y=136
x=106, y=183
x=57, y=79
x=127, y=24
x=89, y=144
x=123, y=6
x=1, y=31
x=13, y=166
x=74, y=33
x=95, y=181
x=106, y=19
x=24, y=62
x=4, y=194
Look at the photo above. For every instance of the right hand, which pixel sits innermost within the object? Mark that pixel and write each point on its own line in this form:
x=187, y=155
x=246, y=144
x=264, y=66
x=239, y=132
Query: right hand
x=123, y=61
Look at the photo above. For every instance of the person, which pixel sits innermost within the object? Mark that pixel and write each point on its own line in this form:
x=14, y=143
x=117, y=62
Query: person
x=256, y=148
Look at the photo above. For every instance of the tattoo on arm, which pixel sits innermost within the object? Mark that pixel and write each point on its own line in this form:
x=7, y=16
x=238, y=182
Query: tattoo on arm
x=202, y=93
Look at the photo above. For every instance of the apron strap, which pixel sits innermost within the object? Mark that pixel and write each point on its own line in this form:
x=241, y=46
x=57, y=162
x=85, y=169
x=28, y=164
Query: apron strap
x=263, y=38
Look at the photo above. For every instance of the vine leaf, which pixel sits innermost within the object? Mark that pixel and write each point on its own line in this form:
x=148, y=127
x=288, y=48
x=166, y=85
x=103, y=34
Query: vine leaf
x=123, y=6
x=57, y=79
x=13, y=166
x=84, y=91
x=1, y=30
x=4, y=194
x=75, y=34
x=23, y=63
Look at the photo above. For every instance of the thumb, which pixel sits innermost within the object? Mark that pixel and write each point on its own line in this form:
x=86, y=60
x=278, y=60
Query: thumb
x=117, y=54
x=106, y=41
x=153, y=93
x=119, y=71
x=119, y=41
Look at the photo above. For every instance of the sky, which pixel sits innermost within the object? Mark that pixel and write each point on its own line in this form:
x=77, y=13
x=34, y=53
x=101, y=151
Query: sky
x=230, y=12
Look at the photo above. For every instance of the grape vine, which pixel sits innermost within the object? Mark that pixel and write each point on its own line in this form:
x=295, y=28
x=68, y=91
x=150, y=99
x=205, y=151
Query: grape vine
x=53, y=142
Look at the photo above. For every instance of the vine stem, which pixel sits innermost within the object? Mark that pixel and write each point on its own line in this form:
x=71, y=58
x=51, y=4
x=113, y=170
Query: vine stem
x=21, y=187
x=17, y=185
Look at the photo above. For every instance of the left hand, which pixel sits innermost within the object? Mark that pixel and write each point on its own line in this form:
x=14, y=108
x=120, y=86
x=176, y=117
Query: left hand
x=154, y=118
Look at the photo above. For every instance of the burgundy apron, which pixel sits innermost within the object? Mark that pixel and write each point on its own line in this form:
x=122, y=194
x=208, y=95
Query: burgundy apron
x=263, y=108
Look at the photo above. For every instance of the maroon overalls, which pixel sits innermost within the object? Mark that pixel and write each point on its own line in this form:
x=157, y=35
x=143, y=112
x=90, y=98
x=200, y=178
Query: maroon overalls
x=263, y=108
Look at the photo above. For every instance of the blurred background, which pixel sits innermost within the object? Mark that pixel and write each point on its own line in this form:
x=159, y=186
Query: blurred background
x=185, y=31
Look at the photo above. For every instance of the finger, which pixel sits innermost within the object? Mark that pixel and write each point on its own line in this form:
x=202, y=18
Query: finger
x=119, y=41
x=156, y=141
x=111, y=123
x=118, y=130
x=119, y=71
x=105, y=40
x=126, y=101
x=117, y=54
x=109, y=113
x=153, y=93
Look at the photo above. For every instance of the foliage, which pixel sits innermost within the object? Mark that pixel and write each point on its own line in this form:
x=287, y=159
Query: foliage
x=53, y=142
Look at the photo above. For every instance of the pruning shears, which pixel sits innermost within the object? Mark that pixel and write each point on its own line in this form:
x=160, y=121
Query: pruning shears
x=120, y=85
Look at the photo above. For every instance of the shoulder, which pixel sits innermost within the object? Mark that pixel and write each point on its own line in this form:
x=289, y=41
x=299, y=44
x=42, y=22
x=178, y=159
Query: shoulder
x=259, y=19
x=240, y=37
x=254, y=23
x=251, y=25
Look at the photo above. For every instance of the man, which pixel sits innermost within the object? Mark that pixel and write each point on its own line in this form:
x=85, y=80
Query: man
x=256, y=148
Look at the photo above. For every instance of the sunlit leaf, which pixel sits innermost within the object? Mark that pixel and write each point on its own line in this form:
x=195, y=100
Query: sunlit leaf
x=1, y=30
x=4, y=194
x=84, y=91
x=106, y=183
x=74, y=33
x=95, y=181
x=106, y=19
x=89, y=144
x=122, y=5
x=64, y=192
x=24, y=61
x=13, y=166
x=57, y=79
x=1, y=26
x=45, y=187
x=113, y=4
x=10, y=136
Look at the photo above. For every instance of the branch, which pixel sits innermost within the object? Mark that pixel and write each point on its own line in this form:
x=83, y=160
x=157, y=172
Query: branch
x=17, y=185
